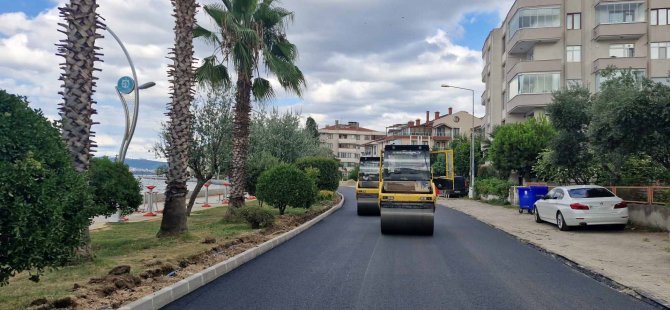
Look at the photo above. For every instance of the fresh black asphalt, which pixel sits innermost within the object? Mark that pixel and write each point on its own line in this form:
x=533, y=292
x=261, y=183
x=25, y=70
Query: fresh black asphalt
x=344, y=262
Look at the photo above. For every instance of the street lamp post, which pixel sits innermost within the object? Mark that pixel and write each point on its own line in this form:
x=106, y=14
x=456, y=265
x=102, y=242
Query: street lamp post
x=126, y=85
x=471, y=190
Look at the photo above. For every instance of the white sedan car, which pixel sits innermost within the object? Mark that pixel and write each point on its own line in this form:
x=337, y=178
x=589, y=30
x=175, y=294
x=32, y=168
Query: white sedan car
x=581, y=205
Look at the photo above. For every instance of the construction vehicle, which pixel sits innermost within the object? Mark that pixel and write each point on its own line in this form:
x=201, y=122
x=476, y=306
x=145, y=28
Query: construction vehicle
x=407, y=193
x=367, y=187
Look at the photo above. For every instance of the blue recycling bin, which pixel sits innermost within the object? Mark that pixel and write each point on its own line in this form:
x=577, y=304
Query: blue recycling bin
x=539, y=192
x=526, y=198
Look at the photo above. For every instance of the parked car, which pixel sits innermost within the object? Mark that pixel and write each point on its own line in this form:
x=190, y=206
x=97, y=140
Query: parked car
x=581, y=205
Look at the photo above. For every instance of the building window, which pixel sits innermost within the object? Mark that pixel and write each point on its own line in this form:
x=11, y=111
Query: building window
x=534, y=83
x=329, y=136
x=358, y=137
x=534, y=18
x=638, y=73
x=659, y=16
x=574, y=53
x=343, y=136
x=574, y=21
x=622, y=50
x=659, y=50
x=620, y=12
x=455, y=132
x=573, y=83
x=663, y=80
x=441, y=131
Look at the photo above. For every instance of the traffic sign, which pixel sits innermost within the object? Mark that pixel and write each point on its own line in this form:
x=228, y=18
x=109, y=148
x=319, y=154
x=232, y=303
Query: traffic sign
x=125, y=85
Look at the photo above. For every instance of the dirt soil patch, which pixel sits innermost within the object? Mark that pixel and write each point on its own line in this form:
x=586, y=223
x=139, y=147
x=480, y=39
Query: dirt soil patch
x=635, y=258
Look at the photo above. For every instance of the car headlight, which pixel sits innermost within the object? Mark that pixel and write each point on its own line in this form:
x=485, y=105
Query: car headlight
x=426, y=198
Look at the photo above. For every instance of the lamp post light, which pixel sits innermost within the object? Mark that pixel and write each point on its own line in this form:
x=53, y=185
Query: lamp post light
x=471, y=189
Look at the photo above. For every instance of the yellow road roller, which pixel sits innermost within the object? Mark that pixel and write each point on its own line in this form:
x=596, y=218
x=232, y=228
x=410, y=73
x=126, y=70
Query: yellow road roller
x=407, y=194
x=367, y=187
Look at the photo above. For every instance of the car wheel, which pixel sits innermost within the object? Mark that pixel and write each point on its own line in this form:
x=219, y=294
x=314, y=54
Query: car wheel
x=560, y=222
x=537, y=216
x=520, y=210
x=531, y=211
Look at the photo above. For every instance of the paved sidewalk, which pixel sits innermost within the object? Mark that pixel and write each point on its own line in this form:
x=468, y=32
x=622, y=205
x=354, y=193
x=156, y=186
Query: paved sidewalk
x=638, y=260
x=101, y=221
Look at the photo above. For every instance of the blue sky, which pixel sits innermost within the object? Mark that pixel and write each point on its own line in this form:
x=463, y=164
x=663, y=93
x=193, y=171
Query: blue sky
x=378, y=64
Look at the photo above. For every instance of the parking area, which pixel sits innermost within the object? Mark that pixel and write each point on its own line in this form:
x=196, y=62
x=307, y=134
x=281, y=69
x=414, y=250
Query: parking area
x=636, y=258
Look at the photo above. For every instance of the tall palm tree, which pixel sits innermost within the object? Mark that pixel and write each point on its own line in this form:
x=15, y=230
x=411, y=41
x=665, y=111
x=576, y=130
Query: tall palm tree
x=182, y=77
x=80, y=53
x=250, y=34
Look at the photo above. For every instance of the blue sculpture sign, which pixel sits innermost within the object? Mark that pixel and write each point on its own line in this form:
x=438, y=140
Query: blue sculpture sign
x=125, y=85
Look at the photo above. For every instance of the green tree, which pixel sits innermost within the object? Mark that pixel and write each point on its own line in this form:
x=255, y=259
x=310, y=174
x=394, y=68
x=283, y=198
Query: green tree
x=182, y=78
x=45, y=205
x=251, y=34
x=210, y=148
x=259, y=163
x=328, y=168
x=312, y=128
x=630, y=117
x=353, y=173
x=461, y=147
x=439, y=166
x=285, y=185
x=114, y=187
x=515, y=147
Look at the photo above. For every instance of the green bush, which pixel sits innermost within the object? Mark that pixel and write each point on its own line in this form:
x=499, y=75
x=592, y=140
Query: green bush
x=285, y=185
x=257, y=164
x=45, y=205
x=325, y=195
x=353, y=174
x=114, y=187
x=329, y=177
x=257, y=217
x=493, y=186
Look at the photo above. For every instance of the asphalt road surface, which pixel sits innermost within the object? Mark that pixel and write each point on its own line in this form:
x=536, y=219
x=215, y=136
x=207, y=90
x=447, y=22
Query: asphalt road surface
x=344, y=262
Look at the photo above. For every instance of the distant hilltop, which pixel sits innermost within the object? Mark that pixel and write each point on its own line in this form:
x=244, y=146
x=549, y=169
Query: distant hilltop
x=143, y=166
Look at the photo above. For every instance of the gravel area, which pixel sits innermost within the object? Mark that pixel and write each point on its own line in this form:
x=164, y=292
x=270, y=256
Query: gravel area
x=635, y=258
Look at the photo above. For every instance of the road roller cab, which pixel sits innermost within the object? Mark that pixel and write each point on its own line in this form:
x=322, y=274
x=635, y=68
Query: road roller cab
x=407, y=193
x=367, y=187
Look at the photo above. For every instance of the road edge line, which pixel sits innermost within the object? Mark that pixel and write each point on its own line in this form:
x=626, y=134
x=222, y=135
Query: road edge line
x=185, y=286
x=637, y=294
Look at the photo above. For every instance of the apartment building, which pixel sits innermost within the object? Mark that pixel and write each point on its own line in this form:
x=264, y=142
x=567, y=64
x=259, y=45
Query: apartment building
x=346, y=141
x=437, y=133
x=544, y=45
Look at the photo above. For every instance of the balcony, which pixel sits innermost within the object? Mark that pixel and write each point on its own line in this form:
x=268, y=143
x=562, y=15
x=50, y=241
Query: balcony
x=620, y=62
x=485, y=97
x=552, y=65
x=605, y=32
x=524, y=39
x=524, y=103
x=486, y=71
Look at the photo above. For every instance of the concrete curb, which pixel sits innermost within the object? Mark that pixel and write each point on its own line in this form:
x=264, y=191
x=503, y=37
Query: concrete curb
x=635, y=293
x=177, y=290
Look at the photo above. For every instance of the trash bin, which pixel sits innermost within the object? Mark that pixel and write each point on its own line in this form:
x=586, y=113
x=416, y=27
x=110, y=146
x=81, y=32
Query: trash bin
x=539, y=192
x=526, y=199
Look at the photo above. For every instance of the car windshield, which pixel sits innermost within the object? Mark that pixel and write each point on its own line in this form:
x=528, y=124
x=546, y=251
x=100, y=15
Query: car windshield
x=593, y=192
x=368, y=170
x=406, y=165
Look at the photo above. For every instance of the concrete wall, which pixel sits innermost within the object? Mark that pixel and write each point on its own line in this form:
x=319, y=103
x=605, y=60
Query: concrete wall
x=655, y=216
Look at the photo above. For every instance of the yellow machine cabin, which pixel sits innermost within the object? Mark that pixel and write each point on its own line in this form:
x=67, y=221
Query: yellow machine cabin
x=367, y=187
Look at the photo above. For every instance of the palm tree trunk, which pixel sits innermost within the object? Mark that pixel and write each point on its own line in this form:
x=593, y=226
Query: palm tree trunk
x=182, y=77
x=241, y=138
x=76, y=110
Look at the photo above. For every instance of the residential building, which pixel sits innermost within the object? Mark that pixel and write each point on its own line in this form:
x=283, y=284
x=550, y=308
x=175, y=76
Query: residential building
x=346, y=140
x=437, y=133
x=545, y=45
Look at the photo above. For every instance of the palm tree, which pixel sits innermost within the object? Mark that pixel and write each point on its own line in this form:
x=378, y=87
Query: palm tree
x=80, y=53
x=249, y=33
x=182, y=77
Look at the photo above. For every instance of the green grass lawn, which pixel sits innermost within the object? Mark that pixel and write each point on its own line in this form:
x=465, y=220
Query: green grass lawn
x=127, y=244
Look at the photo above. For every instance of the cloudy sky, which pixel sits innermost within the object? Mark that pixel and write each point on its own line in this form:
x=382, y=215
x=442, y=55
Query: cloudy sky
x=378, y=62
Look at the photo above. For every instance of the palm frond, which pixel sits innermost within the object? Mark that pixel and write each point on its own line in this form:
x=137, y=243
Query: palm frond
x=208, y=36
x=216, y=12
x=273, y=17
x=243, y=57
x=212, y=73
x=288, y=74
x=244, y=7
x=262, y=89
x=228, y=4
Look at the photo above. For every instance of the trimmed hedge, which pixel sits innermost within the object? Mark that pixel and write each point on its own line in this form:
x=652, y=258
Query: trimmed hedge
x=114, y=187
x=257, y=217
x=329, y=175
x=286, y=185
x=493, y=186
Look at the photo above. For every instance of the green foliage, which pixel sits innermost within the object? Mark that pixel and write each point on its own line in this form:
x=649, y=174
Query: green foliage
x=486, y=171
x=515, y=147
x=113, y=186
x=285, y=185
x=439, y=166
x=324, y=195
x=161, y=170
x=353, y=173
x=257, y=217
x=641, y=170
x=461, y=147
x=493, y=186
x=631, y=116
x=312, y=128
x=328, y=171
x=257, y=164
x=44, y=204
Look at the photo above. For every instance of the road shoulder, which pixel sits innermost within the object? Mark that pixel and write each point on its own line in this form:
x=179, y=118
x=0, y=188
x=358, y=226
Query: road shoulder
x=634, y=262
